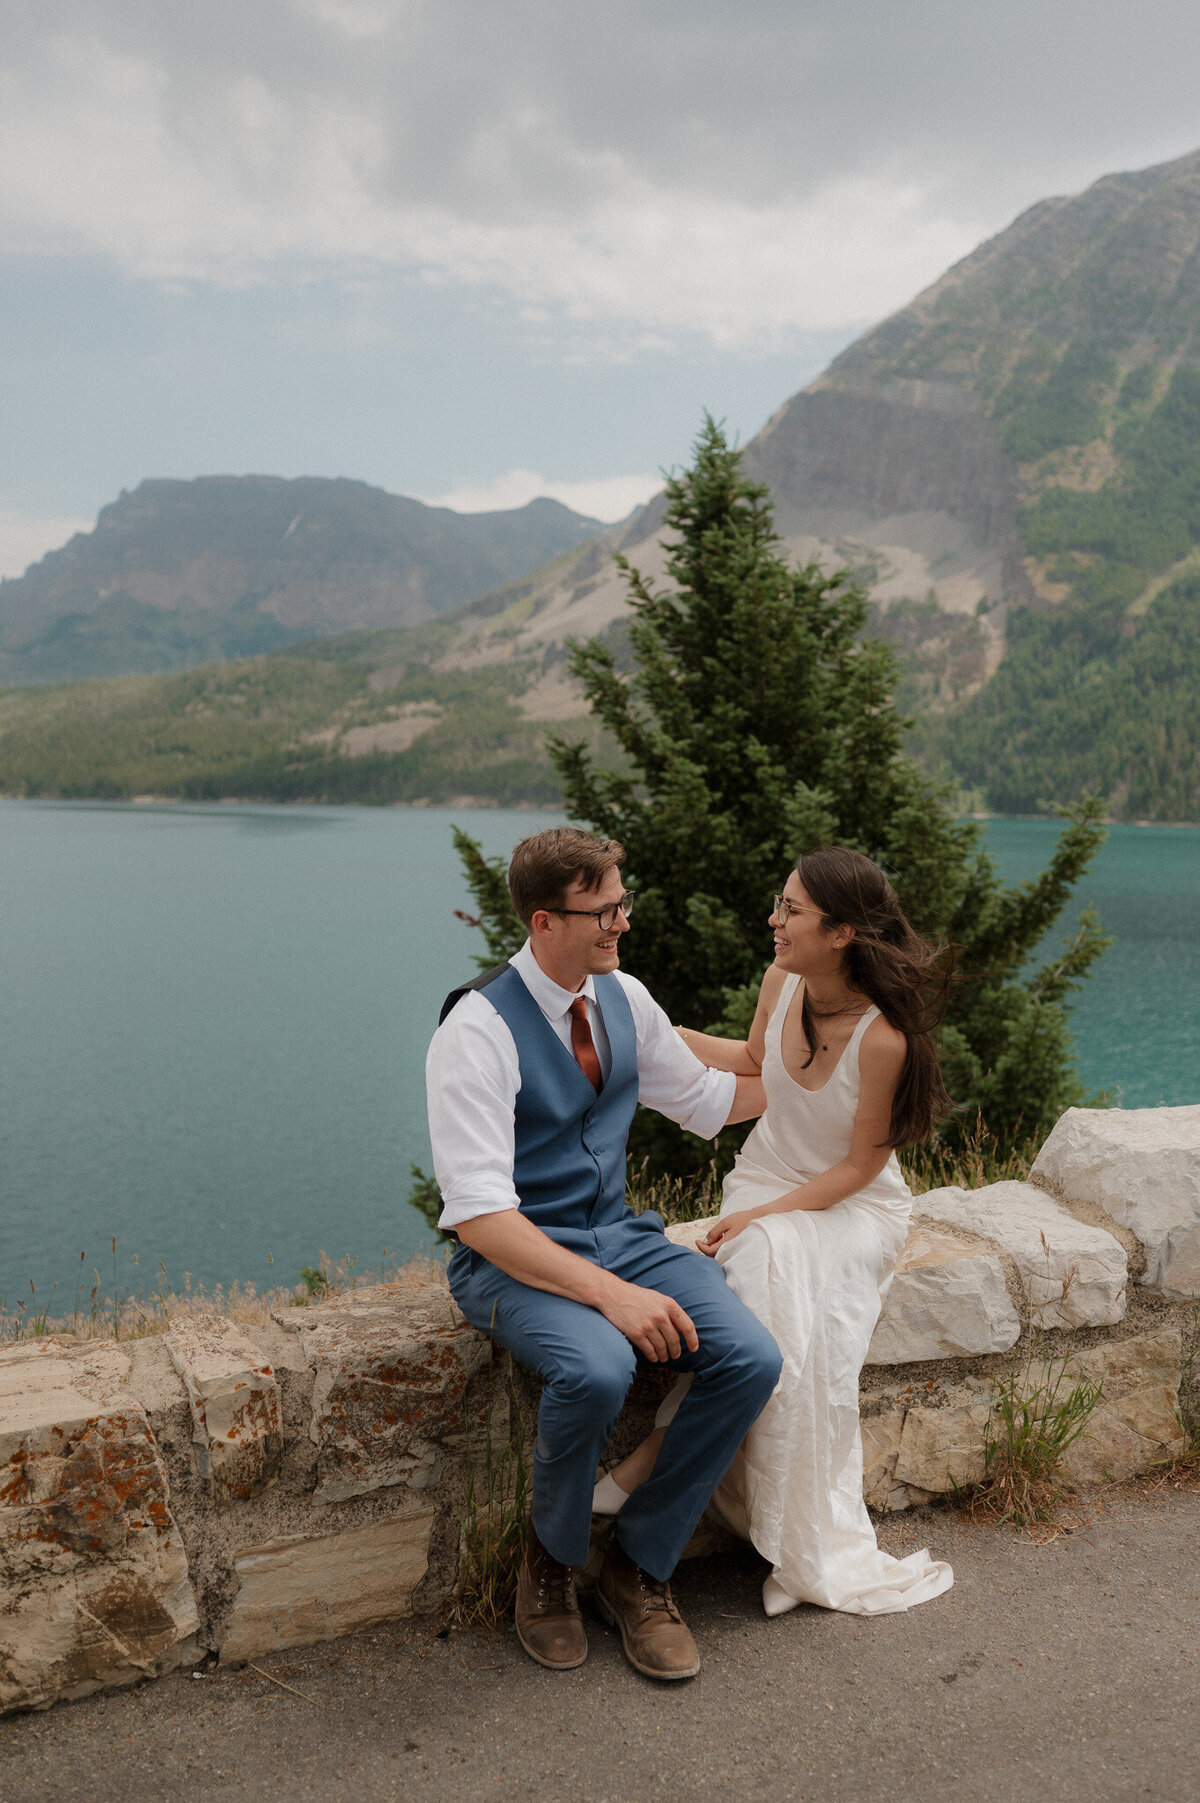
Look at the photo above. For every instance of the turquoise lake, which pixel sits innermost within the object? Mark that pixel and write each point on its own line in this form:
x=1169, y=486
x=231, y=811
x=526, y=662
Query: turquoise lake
x=215, y=1018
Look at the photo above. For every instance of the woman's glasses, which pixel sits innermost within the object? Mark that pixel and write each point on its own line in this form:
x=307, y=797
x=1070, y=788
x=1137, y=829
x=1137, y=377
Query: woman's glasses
x=783, y=906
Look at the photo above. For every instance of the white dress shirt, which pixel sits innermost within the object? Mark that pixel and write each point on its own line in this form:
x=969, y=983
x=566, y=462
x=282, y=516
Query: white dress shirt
x=473, y=1075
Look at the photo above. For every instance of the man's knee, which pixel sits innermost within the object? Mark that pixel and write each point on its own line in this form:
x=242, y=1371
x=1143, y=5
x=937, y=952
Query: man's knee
x=750, y=1357
x=766, y=1362
x=597, y=1381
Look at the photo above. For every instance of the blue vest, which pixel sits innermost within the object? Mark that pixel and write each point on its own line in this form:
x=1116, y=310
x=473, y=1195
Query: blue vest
x=569, y=1168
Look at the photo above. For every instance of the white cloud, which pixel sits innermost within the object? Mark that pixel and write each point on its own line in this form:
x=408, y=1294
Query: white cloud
x=742, y=173
x=109, y=169
x=26, y=537
x=607, y=498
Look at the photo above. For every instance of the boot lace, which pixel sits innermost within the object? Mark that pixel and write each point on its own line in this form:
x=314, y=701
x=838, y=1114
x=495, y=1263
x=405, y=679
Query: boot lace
x=555, y=1585
x=656, y=1597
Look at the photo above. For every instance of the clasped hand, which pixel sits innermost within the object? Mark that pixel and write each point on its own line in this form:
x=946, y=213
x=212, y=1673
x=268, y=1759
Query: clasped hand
x=727, y=1228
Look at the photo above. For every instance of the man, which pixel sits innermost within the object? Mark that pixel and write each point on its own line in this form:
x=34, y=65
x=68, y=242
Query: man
x=533, y=1077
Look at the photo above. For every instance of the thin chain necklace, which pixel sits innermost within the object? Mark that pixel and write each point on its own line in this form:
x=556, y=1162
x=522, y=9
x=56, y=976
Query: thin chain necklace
x=836, y=1014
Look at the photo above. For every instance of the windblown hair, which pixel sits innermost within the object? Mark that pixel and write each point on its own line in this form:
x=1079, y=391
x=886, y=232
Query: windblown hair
x=906, y=977
x=544, y=866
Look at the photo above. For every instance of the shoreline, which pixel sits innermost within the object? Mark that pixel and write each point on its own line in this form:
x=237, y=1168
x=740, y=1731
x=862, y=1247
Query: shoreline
x=425, y=804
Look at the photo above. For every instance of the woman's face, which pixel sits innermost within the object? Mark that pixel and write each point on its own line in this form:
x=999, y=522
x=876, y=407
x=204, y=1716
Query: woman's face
x=803, y=944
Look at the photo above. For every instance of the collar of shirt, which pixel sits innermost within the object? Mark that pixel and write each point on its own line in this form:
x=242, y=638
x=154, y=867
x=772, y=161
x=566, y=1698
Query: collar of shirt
x=553, y=1001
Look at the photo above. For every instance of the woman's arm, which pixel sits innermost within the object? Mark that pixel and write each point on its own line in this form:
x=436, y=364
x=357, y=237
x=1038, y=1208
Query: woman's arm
x=743, y=1056
x=881, y=1063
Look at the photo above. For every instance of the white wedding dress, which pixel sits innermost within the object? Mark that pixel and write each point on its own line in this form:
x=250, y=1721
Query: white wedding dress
x=817, y=1279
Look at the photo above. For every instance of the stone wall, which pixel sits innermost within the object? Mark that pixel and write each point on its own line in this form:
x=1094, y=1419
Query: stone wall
x=230, y=1491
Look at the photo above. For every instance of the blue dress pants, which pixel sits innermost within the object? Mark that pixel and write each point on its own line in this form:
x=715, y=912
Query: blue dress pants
x=586, y=1366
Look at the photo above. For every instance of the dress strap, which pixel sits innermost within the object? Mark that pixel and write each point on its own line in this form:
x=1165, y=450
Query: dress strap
x=851, y=1052
x=779, y=1012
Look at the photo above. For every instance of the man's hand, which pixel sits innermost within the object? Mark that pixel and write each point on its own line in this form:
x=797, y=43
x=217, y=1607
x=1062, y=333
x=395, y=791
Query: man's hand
x=652, y=1322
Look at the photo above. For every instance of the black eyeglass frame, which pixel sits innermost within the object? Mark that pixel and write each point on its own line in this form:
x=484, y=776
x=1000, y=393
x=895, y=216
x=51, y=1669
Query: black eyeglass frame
x=624, y=906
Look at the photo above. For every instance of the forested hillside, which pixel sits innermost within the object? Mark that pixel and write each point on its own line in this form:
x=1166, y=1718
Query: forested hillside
x=367, y=718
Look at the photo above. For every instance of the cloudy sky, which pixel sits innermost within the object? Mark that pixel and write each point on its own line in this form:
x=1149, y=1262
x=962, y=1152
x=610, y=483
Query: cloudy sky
x=475, y=252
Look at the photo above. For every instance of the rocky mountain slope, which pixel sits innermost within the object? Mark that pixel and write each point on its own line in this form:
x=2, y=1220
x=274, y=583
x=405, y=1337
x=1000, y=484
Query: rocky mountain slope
x=1012, y=466
x=1042, y=366
x=176, y=573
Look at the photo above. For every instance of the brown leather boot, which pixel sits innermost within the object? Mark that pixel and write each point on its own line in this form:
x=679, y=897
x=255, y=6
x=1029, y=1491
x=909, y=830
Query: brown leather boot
x=656, y=1640
x=549, y=1623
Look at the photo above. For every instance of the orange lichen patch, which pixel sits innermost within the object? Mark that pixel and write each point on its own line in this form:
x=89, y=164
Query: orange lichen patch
x=87, y=1496
x=391, y=1373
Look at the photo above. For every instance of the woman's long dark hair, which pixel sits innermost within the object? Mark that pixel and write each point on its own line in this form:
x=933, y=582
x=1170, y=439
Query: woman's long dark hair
x=906, y=977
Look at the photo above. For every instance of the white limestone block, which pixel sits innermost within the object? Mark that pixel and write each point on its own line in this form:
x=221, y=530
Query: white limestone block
x=93, y=1573
x=1073, y=1275
x=1135, y=1424
x=880, y=1449
x=686, y=1233
x=237, y=1428
x=297, y=1589
x=943, y=1449
x=946, y=1300
x=1142, y=1167
x=391, y=1366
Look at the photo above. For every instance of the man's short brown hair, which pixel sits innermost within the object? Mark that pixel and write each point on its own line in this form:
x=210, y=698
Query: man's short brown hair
x=544, y=866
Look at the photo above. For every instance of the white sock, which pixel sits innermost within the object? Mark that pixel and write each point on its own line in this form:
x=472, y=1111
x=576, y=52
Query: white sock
x=608, y=1498
x=776, y=1600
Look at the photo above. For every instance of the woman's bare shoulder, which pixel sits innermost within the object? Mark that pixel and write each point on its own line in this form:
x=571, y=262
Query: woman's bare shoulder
x=883, y=1046
x=772, y=983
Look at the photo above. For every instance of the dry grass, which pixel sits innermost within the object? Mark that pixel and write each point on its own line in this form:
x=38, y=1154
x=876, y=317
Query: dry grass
x=674, y=1198
x=973, y=1162
x=102, y=1312
x=493, y=1522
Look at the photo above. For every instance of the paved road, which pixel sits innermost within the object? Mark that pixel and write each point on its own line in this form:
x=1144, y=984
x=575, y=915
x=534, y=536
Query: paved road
x=1066, y=1671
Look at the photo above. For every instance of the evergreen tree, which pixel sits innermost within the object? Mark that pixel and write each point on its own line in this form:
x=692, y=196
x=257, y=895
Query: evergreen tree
x=758, y=722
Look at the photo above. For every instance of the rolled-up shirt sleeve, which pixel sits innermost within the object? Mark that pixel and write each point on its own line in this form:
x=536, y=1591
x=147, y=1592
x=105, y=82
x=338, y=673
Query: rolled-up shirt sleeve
x=671, y=1079
x=472, y=1075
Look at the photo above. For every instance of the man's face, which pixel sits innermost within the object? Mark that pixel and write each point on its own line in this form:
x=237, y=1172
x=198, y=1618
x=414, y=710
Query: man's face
x=573, y=943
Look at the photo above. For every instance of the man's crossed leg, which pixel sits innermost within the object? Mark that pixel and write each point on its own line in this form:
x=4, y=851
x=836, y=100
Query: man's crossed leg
x=586, y=1366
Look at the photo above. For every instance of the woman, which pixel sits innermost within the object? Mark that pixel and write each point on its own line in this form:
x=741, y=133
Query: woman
x=814, y=1218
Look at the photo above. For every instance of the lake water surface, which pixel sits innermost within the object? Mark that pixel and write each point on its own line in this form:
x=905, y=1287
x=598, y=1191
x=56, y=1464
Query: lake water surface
x=214, y=1023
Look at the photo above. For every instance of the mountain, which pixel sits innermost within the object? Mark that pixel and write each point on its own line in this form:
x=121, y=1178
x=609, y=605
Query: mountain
x=1011, y=464
x=1055, y=361
x=177, y=573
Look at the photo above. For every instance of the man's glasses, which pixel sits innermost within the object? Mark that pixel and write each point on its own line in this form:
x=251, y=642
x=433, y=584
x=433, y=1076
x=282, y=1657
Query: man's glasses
x=606, y=917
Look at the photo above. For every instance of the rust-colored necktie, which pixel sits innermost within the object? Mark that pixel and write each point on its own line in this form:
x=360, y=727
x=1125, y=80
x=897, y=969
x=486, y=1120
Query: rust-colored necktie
x=583, y=1045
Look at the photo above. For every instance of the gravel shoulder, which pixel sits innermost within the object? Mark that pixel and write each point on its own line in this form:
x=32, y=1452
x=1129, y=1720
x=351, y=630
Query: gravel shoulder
x=1060, y=1671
